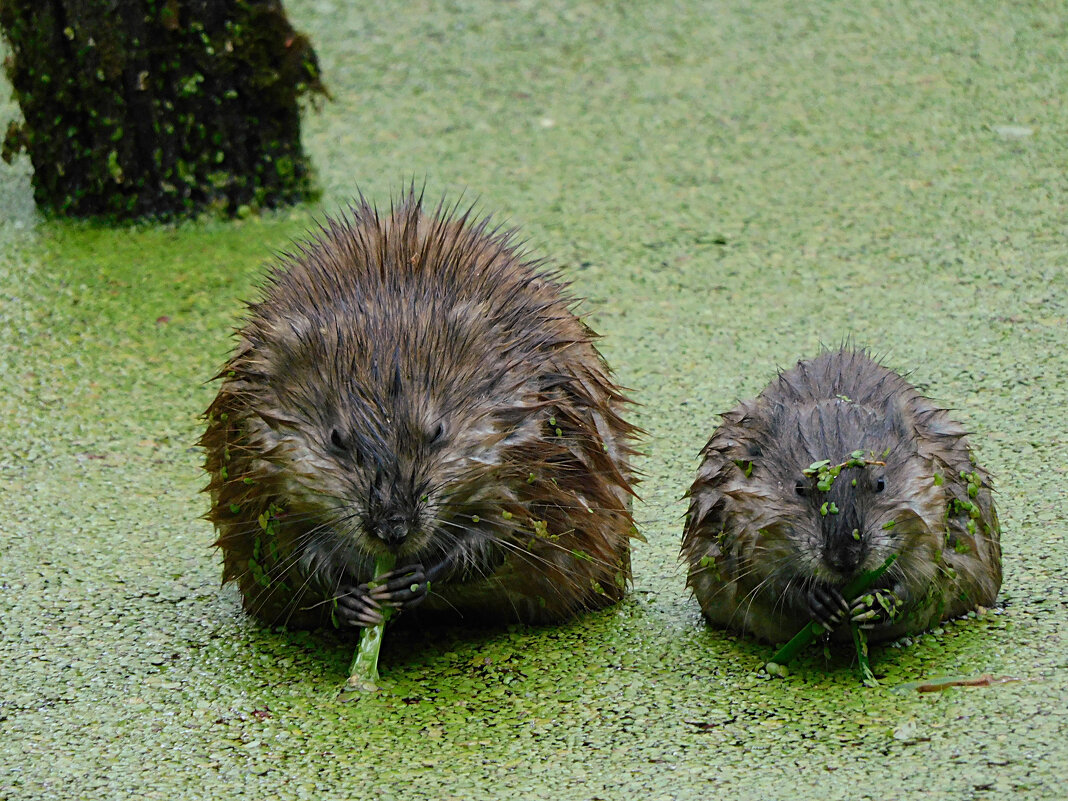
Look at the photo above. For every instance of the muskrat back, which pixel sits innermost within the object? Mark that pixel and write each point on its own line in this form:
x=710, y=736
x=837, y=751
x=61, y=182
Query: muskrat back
x=837, y=464
x=413, y=383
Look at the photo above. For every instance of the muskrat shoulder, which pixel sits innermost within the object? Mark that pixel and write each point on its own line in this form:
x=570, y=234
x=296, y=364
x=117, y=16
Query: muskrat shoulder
x=770, y=539
x=413, y=383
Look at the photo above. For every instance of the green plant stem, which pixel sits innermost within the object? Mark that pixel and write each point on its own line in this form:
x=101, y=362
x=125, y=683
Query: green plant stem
x=363, y=674
x=812, y=629
x=860, y=642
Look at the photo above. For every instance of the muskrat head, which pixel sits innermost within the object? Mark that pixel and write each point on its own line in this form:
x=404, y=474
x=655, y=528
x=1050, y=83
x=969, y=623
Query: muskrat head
x=853, y=490
x=374, y=445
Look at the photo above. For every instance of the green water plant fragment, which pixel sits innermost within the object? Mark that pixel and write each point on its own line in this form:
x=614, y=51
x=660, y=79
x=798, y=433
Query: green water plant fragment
x=860, y=642
x=825, y=473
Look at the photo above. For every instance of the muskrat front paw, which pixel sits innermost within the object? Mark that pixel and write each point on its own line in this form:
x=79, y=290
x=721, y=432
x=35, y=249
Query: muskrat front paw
x=875, y=608
x=827, y=606
x=355, y=608
x=403, y=588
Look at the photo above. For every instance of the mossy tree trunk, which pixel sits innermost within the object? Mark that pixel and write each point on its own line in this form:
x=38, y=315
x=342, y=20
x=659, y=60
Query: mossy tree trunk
x=158, y=108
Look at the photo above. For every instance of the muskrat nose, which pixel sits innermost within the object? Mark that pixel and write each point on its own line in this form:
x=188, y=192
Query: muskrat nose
x=392, y=531
x=394, y=536
x=844, y=560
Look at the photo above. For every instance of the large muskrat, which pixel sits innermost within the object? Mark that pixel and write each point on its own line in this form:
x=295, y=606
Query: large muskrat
x=831, y=469
x=412, y=382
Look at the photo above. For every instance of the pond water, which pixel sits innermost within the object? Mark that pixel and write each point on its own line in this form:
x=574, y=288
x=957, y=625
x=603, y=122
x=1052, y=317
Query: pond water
x=729, y=187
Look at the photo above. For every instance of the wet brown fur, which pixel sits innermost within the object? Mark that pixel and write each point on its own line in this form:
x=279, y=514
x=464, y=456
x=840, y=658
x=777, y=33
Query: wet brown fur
x=465, y=393
x=754, y=543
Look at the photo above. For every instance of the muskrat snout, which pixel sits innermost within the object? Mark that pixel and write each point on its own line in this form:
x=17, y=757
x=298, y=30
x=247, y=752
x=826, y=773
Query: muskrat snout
x=845, y=557
x=392, y=530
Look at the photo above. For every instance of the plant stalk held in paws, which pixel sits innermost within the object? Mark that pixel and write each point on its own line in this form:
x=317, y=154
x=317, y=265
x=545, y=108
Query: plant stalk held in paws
x=813, y=629
x=363, y=674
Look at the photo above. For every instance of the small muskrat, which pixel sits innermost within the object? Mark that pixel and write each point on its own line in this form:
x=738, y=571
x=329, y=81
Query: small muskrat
x=412, y=382
x=831, y=469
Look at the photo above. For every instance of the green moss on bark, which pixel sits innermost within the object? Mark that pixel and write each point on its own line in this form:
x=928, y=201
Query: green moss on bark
x=158, y=108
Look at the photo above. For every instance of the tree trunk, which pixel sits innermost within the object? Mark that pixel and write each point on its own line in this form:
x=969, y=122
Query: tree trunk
x=158, y=108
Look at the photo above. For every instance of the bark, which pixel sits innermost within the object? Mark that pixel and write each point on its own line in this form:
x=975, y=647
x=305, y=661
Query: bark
x=158, y=108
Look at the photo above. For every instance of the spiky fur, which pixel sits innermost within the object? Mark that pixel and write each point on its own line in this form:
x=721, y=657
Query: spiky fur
x=419, y=367
x=753, y=543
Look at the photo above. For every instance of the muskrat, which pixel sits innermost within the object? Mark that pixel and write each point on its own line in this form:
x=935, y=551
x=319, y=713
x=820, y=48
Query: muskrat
x=831, y=469
x=412, y=382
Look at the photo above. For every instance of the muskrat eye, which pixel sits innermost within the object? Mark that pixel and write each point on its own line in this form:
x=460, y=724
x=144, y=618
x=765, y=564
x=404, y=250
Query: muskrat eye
x=343, y=447
x=436, y=434
x=880, y=484
x=337, y=442
x=801, y=488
